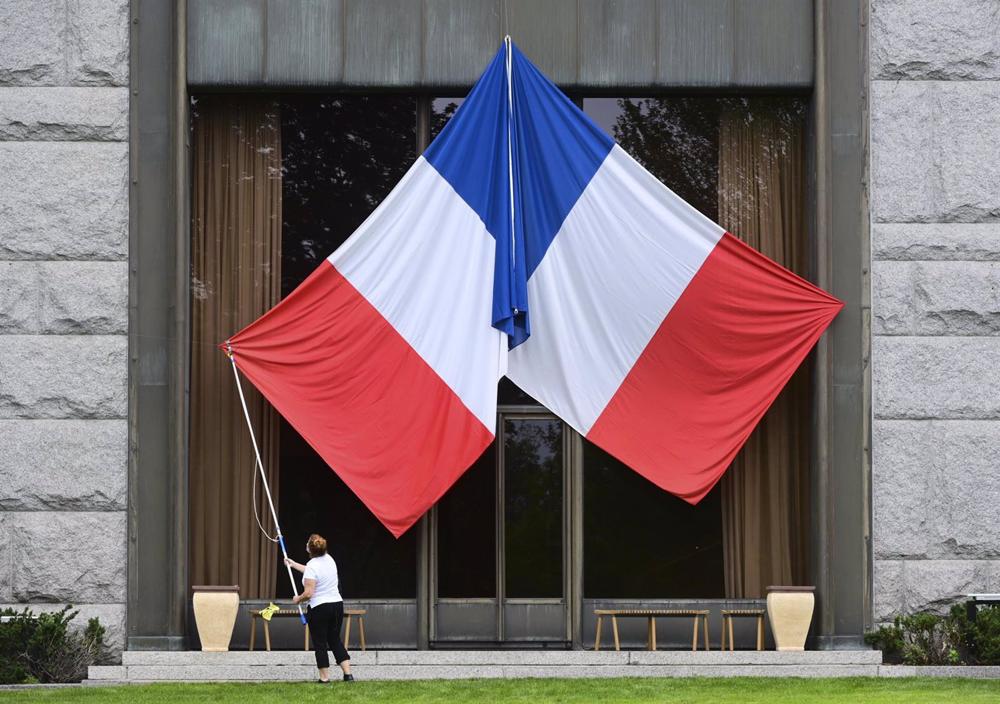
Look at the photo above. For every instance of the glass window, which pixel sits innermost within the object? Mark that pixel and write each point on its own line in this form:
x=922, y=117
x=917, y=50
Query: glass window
x=739, y=162
x=341, y=156
x=676, y=139
x=639, y=542
x=533, y=507
x=442, y=110
x=466, y=533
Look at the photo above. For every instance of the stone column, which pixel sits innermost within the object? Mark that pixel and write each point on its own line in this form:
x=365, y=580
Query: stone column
x=63, y=306
x=935, y=69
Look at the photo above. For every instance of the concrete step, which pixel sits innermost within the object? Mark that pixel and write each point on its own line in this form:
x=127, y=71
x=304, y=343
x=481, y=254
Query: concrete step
x=303, y=673
x=194, y=666
x=513, y=657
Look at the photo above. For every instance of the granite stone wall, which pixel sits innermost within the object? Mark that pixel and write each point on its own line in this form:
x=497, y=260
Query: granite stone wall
x=64, y=305
x=935, y=204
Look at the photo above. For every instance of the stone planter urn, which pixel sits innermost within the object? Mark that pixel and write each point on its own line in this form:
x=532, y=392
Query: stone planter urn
x=215, y=610
x=790, y=611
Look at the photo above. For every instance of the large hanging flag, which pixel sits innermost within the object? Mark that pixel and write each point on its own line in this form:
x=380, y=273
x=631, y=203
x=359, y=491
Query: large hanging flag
x=525, y=241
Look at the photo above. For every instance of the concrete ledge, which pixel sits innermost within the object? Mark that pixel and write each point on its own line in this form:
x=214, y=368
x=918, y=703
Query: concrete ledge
x=196, y=666
x=289, y=666
x=262, y=658
x=782, y=658
x=986, y=672
x=282, y=673
x=515, y=658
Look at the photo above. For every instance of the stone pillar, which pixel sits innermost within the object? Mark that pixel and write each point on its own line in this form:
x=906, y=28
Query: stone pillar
x=63, y=306
x=935, y=69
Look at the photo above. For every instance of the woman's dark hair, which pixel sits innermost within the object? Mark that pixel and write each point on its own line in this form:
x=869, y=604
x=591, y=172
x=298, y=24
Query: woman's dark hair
x=316, y=545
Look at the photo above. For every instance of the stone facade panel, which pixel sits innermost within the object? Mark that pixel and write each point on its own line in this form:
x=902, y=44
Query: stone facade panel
x=63, y=298
x=902, y=151
x=6, y=566
x=63, y=376
x=18, y=298
x=31, y=48
x=83, y=297
x=889, y=590
x=936, y=489
x=97, y=41
x=63, y=200
x=64, y=465
x=935, y=242
x=936, y=298
x=68, y=557
x=932, y=145
x=934, y=585
x=936, y=377
x=58, y=114
x=928, y=39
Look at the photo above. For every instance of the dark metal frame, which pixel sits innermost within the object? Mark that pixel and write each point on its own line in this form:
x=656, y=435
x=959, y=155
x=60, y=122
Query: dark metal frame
x=572, y=467
x=434, y=47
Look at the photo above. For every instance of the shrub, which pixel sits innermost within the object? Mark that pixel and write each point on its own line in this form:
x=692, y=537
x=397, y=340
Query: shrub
x=45, y=648
x=918, y=639
x=985, y=636
x=928, y=639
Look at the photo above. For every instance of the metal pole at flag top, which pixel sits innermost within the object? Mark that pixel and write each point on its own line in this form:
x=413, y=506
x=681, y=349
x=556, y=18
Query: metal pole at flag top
x=263, y=477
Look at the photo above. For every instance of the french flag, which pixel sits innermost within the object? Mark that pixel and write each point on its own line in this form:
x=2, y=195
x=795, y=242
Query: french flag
x=525, y=242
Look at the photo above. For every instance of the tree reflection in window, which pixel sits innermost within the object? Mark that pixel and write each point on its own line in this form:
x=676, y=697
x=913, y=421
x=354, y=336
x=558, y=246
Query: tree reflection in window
x=342, y=156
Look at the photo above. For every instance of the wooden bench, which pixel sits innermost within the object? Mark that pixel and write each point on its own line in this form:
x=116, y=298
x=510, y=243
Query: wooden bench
x=285, y=613
x=727, y=623
x=651, y=615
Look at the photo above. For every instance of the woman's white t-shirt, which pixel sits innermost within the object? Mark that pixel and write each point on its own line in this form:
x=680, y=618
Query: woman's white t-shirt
x=324, y=570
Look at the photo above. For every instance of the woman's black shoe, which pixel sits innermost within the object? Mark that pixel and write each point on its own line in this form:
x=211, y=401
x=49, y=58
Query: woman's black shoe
x=323, y=681
x=348, y=678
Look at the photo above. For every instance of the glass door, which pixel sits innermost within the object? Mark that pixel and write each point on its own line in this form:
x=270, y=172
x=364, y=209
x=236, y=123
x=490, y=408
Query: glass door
x=533, y=528
x=501, y=561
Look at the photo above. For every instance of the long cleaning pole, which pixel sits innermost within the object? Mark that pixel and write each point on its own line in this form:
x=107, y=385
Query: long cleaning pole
x=263, y=477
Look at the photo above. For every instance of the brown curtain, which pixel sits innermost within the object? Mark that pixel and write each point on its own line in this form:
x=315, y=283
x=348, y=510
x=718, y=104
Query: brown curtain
x=765, y=492
x=235, y=277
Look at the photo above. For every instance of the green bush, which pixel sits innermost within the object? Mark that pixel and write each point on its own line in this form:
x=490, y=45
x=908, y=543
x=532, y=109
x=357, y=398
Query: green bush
x=918, y=639
x=985, y=636
x=928, y=639
x=45, y=648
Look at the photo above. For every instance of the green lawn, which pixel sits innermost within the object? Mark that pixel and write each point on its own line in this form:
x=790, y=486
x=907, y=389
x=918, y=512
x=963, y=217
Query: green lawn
x=661, y=691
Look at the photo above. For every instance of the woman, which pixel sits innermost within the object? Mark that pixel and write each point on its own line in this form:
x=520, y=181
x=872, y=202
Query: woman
x=320, y=585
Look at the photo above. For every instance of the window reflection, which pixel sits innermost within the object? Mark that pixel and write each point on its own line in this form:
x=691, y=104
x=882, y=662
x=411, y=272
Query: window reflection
x=676, y=139
x=466, y=532
x=442, y=110
x=639, y=542
x=533, y=506
x=342, y=156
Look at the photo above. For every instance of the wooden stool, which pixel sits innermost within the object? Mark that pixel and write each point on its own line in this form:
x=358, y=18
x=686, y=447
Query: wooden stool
x=348, y=614
x=700, y=615
x=280, y=613
x=727, y=624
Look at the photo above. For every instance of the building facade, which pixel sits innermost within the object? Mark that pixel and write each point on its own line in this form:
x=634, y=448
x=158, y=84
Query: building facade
x=100, y=105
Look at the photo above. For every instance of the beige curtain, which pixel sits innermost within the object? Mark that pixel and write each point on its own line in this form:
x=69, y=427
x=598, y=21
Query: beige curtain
x=765, y=492
x=235, y=277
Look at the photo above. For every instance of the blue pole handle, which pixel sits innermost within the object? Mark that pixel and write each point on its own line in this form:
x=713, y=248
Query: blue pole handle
x=281, y=542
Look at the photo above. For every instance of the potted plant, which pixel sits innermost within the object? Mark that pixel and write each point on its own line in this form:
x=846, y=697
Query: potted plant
x=790, y=610
x=215, y=610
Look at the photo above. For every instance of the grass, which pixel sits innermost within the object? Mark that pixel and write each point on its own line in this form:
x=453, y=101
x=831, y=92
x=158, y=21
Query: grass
x=661, y=691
